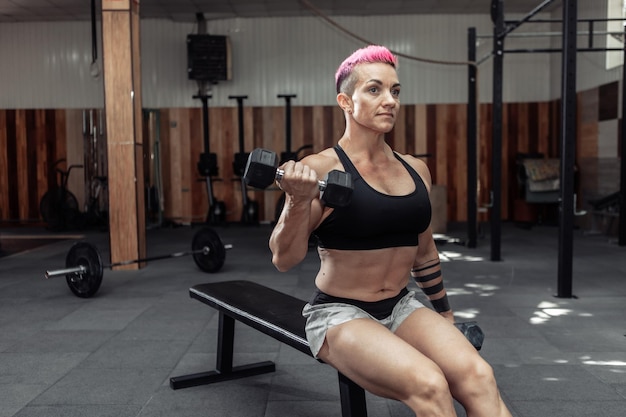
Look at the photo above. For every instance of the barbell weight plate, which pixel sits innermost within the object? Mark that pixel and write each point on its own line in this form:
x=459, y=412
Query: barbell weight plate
x=214, y=259
x=86, y=284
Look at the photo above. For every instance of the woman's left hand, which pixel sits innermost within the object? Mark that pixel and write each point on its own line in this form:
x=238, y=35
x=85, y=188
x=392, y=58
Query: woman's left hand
x=448, y=315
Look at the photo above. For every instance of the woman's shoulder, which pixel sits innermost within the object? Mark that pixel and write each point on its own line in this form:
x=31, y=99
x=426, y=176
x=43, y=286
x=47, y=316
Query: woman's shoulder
x=324, y=161
x=418, y=165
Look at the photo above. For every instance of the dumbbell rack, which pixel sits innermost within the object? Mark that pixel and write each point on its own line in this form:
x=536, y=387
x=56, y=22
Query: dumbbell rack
x=207, y=166
x=288, y=154
x=249, y=208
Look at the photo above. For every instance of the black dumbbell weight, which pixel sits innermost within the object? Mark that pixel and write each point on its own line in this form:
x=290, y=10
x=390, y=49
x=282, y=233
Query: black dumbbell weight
x=262, y=170
x=472, y=331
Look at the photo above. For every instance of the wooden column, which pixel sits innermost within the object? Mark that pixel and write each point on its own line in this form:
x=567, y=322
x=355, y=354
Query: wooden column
x=122, y=91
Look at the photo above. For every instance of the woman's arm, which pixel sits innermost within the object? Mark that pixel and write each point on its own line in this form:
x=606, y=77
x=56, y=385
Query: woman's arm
x=302, y=212
x=427, y=274
x=426, y=269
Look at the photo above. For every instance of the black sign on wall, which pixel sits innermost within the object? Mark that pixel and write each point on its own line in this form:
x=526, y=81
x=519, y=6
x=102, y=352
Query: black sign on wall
x=208, y=58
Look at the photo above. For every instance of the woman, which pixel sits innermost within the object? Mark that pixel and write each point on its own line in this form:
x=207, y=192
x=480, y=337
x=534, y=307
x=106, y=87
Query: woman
x=362, y=320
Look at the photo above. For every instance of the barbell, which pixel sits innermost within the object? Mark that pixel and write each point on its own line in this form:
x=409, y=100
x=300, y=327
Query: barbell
x=84, y=268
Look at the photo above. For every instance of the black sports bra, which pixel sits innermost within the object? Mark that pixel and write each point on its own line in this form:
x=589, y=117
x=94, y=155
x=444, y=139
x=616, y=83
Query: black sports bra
x=374, y=220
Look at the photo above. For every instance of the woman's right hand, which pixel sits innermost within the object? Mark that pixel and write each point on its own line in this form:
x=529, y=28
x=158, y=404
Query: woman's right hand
x=299, y=182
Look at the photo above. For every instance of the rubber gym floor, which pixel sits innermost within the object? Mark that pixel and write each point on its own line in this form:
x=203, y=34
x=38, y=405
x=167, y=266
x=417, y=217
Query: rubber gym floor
x=113, y=354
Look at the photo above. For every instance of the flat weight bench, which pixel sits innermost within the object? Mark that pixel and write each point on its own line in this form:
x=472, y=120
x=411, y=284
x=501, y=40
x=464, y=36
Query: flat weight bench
x=271, y=312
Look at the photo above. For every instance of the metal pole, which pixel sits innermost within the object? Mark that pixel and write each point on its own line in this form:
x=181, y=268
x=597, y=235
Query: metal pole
x=205, y=121
x=496, y=140
x=568, y=148
x=526, y=18
x=621, y=241
x=288, y=154
x=80, y=269
x=472, y=159
x=240, y=100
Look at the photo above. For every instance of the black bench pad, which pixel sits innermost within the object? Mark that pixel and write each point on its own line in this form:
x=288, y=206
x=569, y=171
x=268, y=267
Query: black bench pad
x=262, y=308
x=271, y=312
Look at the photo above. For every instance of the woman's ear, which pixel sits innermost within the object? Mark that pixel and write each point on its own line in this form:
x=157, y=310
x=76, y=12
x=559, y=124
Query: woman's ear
x=344, y=102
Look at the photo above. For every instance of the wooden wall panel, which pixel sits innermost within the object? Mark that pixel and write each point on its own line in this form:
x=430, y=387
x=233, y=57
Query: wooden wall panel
x=438, y=130
x=587, y=141
x=22, y=165
x=318, y=127
x=484, y=159
x=420, y=143
x=459, y=174
x=166, y=165
x=608, y=99
x=172, y=170
x=185, y=168
x=75, y=154
x=440, y=151
x=35, y=134
x=4, y=167
x=543, y=127
x=31, y=141
x=199, y=199
x=41, y=162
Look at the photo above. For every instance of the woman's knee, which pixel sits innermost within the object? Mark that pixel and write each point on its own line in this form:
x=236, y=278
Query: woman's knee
x=482, y=373
x=477, y=379
x=428, y=385
x=429, y=393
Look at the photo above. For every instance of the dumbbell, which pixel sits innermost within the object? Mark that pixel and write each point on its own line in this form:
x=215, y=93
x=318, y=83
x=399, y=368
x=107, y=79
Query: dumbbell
x=262, y=170
x=472, y=331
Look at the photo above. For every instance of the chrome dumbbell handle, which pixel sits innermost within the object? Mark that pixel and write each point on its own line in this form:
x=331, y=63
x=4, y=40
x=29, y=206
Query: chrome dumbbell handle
x=281, y=172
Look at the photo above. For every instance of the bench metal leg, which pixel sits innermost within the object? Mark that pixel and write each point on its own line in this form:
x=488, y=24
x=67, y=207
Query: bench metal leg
x=352, y=398
x=225, y=344
x=224, y=369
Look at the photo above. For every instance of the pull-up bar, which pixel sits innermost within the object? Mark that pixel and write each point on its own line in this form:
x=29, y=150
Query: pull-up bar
x=568, y=132
x=552, y=34
x=497, y=12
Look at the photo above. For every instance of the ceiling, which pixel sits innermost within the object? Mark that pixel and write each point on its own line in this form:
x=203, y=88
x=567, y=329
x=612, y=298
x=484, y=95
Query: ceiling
x=186, y=10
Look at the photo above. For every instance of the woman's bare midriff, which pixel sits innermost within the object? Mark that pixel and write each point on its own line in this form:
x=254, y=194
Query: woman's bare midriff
x=366, y=275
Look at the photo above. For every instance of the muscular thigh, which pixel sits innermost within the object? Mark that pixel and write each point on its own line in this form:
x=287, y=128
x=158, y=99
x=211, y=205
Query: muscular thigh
x=374, y=357
x=440, y=341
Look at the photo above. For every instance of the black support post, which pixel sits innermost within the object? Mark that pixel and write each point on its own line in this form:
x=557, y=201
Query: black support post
x=352, y=396
x=225, y=344
x=568, y=148
x=472, y=156
x=621, y=241
x=240, y=100
x=496, y=145
x=288, y=154
x=204, y=98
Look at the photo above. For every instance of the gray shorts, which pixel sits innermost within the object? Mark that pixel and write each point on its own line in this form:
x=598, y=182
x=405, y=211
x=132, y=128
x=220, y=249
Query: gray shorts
x=321, y=317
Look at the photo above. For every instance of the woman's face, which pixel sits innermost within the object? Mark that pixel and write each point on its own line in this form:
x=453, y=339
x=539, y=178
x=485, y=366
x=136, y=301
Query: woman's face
x=376, y=97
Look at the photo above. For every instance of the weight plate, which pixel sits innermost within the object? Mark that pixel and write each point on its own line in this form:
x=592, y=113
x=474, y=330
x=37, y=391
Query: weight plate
x=214, y=259
x=84, y=285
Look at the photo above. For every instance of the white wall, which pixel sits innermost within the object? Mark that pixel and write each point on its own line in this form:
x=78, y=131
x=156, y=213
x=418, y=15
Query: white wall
x=590, y=66
x=47, y=65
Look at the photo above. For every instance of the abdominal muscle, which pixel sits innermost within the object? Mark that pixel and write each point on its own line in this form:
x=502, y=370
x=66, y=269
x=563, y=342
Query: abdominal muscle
x=365, y=275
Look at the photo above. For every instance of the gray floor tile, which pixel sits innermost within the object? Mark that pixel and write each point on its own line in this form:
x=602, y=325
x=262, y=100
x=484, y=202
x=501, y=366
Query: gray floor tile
x=113, y=354
x=79, y=411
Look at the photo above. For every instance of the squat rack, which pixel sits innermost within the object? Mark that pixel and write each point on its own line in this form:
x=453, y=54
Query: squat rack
x=568, y=132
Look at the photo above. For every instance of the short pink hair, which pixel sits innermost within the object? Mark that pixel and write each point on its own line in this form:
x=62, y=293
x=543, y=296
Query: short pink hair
x=367, y=55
